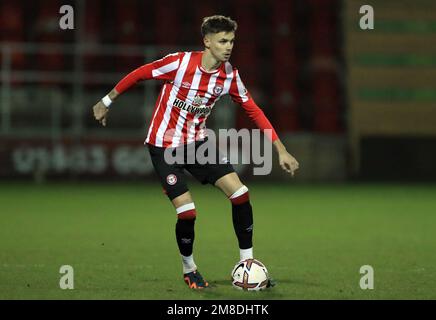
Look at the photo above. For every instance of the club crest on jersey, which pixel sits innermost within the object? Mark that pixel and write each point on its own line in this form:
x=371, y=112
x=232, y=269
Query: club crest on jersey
x=171, y=179
x=197, y=101
x=217, y=90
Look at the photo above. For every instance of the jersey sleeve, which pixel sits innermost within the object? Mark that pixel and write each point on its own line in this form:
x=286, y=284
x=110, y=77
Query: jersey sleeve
x=241, y=96
x=162, y=69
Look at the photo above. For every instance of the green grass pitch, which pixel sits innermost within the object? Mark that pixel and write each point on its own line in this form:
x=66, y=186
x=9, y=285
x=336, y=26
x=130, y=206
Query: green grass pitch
x=119, y=238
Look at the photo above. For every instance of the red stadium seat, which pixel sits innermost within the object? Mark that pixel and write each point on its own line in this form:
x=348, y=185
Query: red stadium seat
x=284, y=68
x=326, y=102
x=92, y=34
x=167, y=19
x=325, y=84
x=322, y=29
x=47, y=31
x=128, y=32
x=203, y=9
x=12, y=29
x=246, y=54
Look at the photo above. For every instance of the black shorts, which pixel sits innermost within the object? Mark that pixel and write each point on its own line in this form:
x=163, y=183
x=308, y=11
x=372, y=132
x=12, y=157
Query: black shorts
x=172, y=176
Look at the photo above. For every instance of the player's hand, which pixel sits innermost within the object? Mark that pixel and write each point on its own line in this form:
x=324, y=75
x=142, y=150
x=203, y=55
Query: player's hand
x=288, y=162
x=100, y=112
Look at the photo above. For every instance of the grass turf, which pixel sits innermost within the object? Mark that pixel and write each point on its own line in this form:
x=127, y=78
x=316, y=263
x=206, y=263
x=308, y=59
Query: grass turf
x=119, y=238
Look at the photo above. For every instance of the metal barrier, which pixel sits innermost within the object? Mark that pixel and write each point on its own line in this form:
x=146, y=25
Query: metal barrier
x=73, y=81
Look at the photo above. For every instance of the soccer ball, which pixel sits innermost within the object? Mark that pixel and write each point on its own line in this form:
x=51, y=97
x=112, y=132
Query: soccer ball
x=250, y=274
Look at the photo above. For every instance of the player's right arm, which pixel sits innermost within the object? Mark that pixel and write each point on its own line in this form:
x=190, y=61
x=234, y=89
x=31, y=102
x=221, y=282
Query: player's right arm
x=162, y=69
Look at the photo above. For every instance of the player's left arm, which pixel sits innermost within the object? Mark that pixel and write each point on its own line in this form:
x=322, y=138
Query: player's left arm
x=240, y=95
x=286, y=160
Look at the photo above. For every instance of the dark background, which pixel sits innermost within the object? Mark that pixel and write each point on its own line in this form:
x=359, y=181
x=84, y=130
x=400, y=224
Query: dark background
x=306, y=63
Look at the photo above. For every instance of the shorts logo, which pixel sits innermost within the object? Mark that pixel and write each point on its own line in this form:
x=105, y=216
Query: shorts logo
x=171, y=179
x=217, y=90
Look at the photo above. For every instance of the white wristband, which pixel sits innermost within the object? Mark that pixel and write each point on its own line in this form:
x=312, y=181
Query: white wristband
x=106, y=101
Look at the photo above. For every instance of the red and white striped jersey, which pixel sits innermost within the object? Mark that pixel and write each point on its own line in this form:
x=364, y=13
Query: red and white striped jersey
x=188, y=96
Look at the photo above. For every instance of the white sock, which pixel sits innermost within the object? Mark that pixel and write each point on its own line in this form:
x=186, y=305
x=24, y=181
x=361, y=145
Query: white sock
x=246, y=253
x=188, y=264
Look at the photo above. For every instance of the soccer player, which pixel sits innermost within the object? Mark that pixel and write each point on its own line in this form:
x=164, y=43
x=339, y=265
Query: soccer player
x=192, y=83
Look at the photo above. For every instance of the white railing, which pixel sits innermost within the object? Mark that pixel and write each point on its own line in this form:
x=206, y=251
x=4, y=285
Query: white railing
x=77, y=78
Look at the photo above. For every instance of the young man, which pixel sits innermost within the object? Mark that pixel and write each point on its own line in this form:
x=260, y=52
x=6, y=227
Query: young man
x=193, y=83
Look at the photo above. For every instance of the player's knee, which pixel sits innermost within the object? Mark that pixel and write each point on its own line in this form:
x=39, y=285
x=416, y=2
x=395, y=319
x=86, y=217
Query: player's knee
x=186, y=211
x=240, y=196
